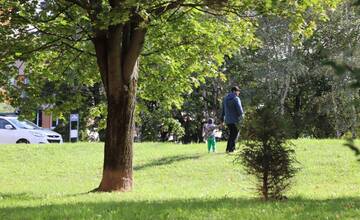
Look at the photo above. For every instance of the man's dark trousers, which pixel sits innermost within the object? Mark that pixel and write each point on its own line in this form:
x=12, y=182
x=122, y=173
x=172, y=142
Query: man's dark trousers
x=232, y=137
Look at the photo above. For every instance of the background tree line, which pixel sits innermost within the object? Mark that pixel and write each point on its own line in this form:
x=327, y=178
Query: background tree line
x=318, y=102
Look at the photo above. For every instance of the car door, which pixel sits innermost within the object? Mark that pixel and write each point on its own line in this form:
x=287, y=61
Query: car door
x=7, y=136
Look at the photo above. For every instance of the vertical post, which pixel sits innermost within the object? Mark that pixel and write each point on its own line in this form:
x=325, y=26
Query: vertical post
x=77, y=128
x=70, y=129
x=74, y=133
x=37, y=118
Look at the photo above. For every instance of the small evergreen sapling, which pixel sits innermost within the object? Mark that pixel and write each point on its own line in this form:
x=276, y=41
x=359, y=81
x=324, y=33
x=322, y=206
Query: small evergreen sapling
x=266, y=153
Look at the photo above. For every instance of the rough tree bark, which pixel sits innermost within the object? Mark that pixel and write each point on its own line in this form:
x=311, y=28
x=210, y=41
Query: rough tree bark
x=117, y=50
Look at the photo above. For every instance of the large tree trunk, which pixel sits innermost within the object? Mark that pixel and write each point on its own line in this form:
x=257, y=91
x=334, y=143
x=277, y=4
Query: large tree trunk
x=117, y=51
x=117, y=171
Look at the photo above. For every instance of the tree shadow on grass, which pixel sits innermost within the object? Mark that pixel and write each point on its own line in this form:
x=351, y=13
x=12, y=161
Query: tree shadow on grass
x=166, y=161
x=221, y=208
x=18, y=196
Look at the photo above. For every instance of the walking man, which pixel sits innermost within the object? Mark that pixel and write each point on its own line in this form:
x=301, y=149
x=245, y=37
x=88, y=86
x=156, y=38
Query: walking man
x=232, y=113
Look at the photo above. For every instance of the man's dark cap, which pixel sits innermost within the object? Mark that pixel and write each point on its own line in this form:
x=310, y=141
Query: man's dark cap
x=235, y=88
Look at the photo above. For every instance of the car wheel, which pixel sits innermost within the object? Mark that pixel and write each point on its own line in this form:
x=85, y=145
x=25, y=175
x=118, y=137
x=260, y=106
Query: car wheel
x=22, y=141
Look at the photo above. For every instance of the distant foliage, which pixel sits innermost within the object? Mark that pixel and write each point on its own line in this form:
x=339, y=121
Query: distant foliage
x=267, y=154
x=172, y=127
x=156, y=124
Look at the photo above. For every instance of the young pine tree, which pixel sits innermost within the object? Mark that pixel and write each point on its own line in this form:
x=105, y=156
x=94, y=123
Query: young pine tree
x=266, y=153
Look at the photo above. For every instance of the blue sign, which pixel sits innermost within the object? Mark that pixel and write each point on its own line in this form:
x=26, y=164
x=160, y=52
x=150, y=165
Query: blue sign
x=74, y=117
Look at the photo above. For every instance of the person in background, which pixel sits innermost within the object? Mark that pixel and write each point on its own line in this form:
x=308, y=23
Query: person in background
x=209, y=132
x=232, y=114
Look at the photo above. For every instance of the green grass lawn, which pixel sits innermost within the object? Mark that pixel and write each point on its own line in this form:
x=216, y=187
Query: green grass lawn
x=172, y=181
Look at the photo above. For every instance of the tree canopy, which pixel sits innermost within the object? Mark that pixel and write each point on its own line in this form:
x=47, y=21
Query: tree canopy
x=186, y=41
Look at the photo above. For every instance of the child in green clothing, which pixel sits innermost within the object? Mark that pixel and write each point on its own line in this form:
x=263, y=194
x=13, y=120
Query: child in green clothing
x=209, y=135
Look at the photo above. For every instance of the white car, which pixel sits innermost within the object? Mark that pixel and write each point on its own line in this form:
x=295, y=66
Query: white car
x=14, y=130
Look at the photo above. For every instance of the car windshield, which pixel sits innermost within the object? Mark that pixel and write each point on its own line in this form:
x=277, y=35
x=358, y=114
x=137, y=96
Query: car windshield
x=25, y=124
